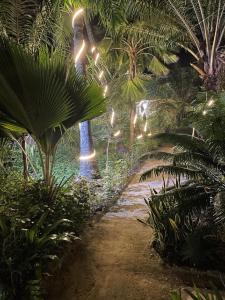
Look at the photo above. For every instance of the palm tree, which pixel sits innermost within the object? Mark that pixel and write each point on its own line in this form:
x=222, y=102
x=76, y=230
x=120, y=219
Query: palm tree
x=110, y=15
x=44, y=97
x=29, y=24
x=203, y=28
x=134, y=51
x=199, y=158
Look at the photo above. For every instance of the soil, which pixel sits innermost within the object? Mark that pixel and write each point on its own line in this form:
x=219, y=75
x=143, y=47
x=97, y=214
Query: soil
x=114, y=259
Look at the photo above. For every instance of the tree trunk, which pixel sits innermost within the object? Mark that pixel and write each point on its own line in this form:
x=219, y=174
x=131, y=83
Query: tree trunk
x=25, y=160
x=211, y=83
x=88, y=168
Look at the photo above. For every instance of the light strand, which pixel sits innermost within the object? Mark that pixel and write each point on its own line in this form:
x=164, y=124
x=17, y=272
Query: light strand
x=117, y=133
x=77, y=13
x=88, y=157
x=105, y=90
x=145, y=127
x=93, y=49
x=135, y=120
x=140, y=136
x=97, y=58
x=112, y=118
x=80, y=52
x=100, y=75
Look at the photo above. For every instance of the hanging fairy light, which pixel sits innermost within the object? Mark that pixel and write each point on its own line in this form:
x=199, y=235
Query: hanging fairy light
x=140, y=136
x=97, y=58
x=135, y=120
x=112, y=118
x=117, y=133
x=88, y=157
x=77, y=14
x=78, y=55
x=93, y=49
x=105, y=90
x=210, y=103
x=100, y=75
x=145, y=127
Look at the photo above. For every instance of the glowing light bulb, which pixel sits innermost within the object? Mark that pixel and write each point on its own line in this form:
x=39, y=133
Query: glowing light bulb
x=105, y=90
x=146, y=125
x=211, y=102
x=112, y=118
x=88, y=157
x=117, y=133
x=135, y=120
x=100, y=75
x=140, y=136
x=77, y=14
x=80, y=52
x=93, y=49
x=97, y=58
x=204, y=112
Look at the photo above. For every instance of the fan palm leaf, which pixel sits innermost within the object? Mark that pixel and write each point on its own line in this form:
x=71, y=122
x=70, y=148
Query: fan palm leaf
x=43, y=96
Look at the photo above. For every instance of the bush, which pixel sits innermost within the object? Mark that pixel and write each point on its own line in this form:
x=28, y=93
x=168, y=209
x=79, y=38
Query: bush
x=35, y=223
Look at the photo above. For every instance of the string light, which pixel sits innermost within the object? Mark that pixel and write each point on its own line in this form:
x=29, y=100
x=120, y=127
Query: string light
x=100, y=75
x=80, y=52
x=77, y=13
x=117, y=133
x=97, y=58
x=105, y=90
x=211, y=102
x=93, y=49
x=135, y=120
x=112, y=118
x=146, y=125
x=204, y=112
x=88, y=157
x=140, y=136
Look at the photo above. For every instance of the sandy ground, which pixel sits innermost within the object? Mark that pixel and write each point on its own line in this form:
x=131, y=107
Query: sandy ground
x=114, y=259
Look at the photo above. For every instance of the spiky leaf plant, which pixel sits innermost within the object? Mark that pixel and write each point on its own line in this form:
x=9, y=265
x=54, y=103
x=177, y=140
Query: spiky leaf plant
x=190, y=214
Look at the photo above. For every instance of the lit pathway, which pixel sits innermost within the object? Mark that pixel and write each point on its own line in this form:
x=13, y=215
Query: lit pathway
x=114, y=259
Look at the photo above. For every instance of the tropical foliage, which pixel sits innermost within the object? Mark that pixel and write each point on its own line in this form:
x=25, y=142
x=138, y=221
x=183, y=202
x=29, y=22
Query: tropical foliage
x=188, y=217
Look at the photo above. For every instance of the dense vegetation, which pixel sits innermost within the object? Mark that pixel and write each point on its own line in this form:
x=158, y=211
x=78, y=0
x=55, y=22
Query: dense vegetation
x=91, y=99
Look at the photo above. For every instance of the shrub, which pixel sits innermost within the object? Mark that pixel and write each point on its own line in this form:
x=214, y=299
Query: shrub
x=36, y=221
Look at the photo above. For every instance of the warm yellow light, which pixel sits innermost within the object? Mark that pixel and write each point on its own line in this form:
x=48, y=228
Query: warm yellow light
x=105, y=90
x=117, y=133
x=88, y=157
x=204, y=112
x=97, y=58
x=80, y=52
x=93, y=49
x=77, y=13
x=135, y=120
x=112, y=118
x=146, y=125
x=211, y=102
x=140, y=136
x=100, y=75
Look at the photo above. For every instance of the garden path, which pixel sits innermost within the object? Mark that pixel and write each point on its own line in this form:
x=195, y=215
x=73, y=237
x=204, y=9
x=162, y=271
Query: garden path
x=114, y=259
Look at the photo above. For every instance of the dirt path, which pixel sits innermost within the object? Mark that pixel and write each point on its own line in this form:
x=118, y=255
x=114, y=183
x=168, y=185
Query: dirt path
x=114, y=259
